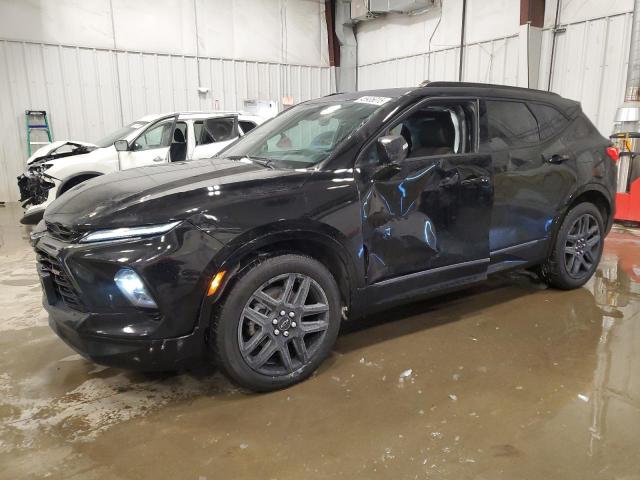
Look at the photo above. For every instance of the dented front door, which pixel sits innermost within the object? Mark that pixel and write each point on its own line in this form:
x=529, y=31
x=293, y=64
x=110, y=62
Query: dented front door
x=433, y=212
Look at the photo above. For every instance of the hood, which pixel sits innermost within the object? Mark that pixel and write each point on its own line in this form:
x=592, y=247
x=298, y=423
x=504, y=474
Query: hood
x=54, y=150
x=165, y=193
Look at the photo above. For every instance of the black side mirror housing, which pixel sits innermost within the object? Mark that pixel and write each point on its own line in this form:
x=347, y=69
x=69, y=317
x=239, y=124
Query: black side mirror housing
x=121, y=145
x=392, y=149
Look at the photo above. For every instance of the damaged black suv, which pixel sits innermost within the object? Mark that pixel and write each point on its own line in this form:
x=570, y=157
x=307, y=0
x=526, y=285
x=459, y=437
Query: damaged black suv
x=336, y=208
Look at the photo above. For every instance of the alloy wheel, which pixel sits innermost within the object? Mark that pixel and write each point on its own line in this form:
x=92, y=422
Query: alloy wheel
x=582, y=246
x=283, y=324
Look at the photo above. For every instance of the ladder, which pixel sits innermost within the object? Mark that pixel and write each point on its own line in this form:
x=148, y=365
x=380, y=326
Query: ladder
x=36, y=120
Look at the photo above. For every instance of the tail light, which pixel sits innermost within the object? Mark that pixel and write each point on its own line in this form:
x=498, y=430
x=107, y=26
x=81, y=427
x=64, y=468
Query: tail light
x=614, y=153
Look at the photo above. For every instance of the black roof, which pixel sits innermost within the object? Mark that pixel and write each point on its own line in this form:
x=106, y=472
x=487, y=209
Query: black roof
x=463, y=88
x=471, y=85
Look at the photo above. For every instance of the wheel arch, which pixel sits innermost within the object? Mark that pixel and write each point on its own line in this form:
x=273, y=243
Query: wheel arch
x=312, y=243
x=592, y=193
x=70, y=181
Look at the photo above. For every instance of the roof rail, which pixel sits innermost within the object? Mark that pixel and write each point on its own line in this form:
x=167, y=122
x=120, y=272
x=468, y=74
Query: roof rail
x=485, y=85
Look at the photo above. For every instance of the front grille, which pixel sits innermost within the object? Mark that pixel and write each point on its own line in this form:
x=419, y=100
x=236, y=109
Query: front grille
x=62, y=283
x=62, y=232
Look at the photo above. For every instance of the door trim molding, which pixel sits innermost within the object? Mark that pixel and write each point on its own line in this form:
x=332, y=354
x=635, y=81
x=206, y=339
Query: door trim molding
x=426, y=273
x=517, y=246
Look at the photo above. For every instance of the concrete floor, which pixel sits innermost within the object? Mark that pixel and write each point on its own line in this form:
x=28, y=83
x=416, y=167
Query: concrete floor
x=508, y=380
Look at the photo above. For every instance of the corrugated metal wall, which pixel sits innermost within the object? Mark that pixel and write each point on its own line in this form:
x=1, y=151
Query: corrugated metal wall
x=590, y=65
x=88, y=92
x=492, y=61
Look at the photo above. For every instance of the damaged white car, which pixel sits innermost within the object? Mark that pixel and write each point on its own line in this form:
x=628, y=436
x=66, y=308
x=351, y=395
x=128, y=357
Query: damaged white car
x=153, y=139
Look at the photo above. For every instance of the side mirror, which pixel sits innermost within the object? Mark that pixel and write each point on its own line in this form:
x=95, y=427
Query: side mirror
x=121, y=145
x=392, y=149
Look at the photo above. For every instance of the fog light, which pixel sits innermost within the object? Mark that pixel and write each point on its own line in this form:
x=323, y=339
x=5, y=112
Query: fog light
x=131, y=286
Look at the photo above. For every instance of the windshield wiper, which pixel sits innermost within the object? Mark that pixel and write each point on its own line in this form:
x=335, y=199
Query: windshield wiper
x=263, y=161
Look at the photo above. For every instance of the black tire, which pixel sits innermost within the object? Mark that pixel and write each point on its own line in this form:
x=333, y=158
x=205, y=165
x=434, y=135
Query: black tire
x=583, y=246
x=243, y=329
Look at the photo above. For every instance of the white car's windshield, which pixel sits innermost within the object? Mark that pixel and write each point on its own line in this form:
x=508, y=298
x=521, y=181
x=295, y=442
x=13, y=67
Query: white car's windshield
x=304, y=135
x=120, y=133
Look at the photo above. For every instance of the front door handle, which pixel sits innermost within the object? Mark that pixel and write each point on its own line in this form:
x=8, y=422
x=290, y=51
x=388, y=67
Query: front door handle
x=555, y=158
x=480, y=181
x=158, y=159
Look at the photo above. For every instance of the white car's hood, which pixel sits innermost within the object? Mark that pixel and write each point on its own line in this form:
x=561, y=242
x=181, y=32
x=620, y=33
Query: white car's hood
x=53, y=146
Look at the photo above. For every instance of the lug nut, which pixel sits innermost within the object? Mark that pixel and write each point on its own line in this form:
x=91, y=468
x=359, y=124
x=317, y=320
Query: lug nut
x=294, y=324
x=274, y=321
x=282, y=313
x=291, y=314
x=285, y=333
x=276, y=332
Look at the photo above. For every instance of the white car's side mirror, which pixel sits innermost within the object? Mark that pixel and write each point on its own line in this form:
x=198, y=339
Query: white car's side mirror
x=121, y=145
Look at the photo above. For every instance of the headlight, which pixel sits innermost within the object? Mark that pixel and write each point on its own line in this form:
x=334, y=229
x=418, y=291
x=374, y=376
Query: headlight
x=132, y=287
x=127, y=232
x=40, y=168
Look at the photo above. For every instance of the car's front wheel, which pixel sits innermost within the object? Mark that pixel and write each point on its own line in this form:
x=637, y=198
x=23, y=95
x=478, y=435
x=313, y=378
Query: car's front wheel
x=277, y=323
x=577, y=249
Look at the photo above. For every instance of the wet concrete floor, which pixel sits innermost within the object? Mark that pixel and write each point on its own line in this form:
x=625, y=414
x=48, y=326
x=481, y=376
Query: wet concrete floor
x=508, y=380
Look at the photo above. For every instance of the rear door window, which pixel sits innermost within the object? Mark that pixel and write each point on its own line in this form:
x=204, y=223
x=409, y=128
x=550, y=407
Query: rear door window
x=550, y=120
x=506, y=124
x=214, y=130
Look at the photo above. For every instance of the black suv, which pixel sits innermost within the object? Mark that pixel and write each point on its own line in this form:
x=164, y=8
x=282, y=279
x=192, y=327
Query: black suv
x=336, y=208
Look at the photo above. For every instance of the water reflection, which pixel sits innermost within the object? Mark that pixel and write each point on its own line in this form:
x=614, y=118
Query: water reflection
x=616, y=289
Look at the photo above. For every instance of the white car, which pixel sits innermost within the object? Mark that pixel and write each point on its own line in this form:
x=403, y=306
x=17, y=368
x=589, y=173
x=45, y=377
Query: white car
x=153, y=139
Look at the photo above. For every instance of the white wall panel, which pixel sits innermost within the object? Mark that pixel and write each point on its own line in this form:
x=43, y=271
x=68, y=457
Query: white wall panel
x=590, y=58
x=581, y=10
x=278, y=31
x=590, y=65
x=89, y=92
x=494, y=61
x=397, y=36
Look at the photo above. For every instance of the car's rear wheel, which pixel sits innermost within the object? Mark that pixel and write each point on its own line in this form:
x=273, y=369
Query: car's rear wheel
x=277, y=323
x=577, y=249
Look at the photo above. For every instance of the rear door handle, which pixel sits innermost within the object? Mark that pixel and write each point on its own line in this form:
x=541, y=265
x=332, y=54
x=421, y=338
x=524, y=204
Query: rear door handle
x=158, y=159
x=555, y=158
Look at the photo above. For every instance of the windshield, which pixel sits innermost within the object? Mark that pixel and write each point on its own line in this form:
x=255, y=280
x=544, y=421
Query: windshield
x=304, y=135
x=120, y=133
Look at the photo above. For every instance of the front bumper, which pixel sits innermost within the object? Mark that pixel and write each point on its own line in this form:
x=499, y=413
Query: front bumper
x=148, y=355
x=36, y=193
x=88, y=312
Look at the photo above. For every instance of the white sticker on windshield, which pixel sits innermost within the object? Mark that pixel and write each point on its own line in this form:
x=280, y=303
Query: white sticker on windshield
x=373, y=100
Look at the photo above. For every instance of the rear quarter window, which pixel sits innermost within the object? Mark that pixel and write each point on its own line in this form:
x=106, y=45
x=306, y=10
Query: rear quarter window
x=550, y=120
x=247, y=125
